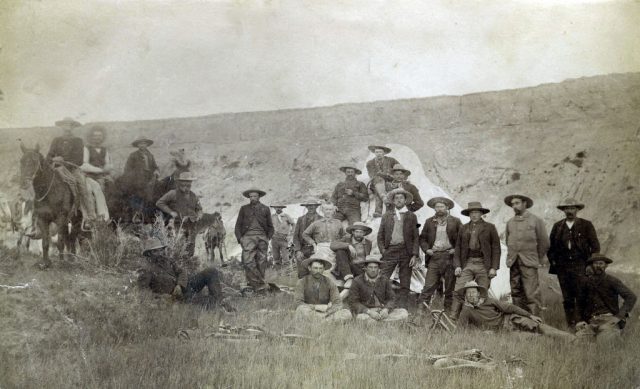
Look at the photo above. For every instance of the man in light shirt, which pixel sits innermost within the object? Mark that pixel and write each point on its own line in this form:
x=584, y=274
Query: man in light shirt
x=282, y=226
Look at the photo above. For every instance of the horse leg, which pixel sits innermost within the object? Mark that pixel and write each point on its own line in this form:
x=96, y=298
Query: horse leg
x=46, y=240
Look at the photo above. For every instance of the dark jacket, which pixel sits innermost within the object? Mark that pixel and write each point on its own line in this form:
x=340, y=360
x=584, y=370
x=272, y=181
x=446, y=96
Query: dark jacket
x=344, y=201
x=409, y=229
x=387, y=164
x=489, y=245
x=186, y=205
x=246, y=214
x=325, y=293
x=585, y=241
x=409, y=187
x=302, y=223
x=428, y=234
x=138, y=175
x=344, y=243
x=161, y=275
x=361, y=294
x=489, y=315
x=601, y=296
x=71, y=149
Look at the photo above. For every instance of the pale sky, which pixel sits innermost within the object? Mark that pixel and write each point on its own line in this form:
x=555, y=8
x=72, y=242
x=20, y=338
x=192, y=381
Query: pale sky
x=130, y=60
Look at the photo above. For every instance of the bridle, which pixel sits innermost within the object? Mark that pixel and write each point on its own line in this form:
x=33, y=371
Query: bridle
x=35, y=173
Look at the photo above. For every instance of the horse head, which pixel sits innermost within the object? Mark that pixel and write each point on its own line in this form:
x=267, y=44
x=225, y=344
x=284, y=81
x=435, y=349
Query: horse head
x=31, y=163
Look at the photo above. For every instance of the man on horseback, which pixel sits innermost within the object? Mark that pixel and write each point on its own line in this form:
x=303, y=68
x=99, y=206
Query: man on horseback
x=139, y=176
x=66, y=153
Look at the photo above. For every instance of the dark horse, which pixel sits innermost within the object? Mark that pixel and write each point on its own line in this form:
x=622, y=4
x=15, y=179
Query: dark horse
x=54, y=203
x=214, y=233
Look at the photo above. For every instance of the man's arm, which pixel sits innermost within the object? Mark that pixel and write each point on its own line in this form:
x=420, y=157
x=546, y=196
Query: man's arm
x=86, y=166
x=270, y=228
x=416, y=236
x=334, y=296
x=592, y=237
x=552, y=255
x=77, y=153
x=543, y=239
x=297, y=245
x=355, y=299
x=182, y=276
x=509, y=308
x=391, y=295
x=495, y=248
x=627, y=295
x=381, y=233
x=417, y=200
x=239, y=224
x=308, y=233
x=163, y=202
x=335, y=195
x=458, y=251
x=298, y=295
x=362, y=194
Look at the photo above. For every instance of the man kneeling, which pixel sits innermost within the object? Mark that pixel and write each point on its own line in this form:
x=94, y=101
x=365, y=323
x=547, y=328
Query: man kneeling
x=372, y=297
x=162, y=275
x=490, y=314
x=317, y=296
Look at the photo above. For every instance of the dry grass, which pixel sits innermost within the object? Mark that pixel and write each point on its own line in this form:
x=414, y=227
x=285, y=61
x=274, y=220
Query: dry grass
x=83, y=324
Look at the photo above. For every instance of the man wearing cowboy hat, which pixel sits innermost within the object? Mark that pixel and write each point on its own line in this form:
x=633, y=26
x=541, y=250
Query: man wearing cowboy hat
x=282, y=225
x=351, y=251
x=572, y=242
x=494, y=315
x=325, y=230
x=348, y=195
x=400, y=175
x=602, y=315
x=372, y=298
x=67, y=152
x=477, y=253
x=438, y=241
x=162, y=275
x=184, y=208
x=527, y=245
x=316, y=296
x=96, y=160
x=301, y=247
x=398, y=241
x=140, y=172
x=379, y=170
x=254, y=229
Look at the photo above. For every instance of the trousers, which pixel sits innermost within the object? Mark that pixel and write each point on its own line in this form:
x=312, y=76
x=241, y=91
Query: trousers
x=525, y=287
x=254, y=260
x=439, y=269
x=474, y=270
x=397, y=256
x=280, y=249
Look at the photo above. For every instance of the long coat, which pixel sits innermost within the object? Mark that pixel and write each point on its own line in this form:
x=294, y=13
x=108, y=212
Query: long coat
x=584, y=237
x=246, y=214
x=409, y=231
x=138, y=175
x=489, y=245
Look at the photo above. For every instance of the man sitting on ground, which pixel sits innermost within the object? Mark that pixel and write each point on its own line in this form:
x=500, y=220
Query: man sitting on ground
x=316, y=296
x=351, y=251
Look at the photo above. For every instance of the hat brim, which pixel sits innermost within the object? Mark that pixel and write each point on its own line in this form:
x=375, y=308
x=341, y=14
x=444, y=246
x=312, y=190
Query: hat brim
x=447, y=202
x=466, y=212
x=367, y=230
x=408, y=196
x=563, y=206
x=373, y=149
x=368, y=261
x=145, y=251
x=73, y=123
x=464, y=288
x=136, y=142
x=310, y=204
x=600, y=258
x=508, y=199
x=186, y=179
x=278, y=206
x=327, y=265
x=258, y=191
x=344, y=169
x=405, y=171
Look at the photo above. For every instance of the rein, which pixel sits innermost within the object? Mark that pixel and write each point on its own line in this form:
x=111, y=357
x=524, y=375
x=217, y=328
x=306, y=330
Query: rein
x=39, y=168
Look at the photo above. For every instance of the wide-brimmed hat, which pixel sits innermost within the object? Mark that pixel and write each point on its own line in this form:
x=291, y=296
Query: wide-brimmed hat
x=186, y=176
x=396, y=191
x=469, y=285
x=372, y=258
x=344, y=169
x=570, y=202
x=508, y=199
x=599, y=257
x=327, y=265
x=474, y=206
x=359, y=226
x=152, y=244
x=373, y=148
x=140, y=140
x=435, y=200
x=310, y=202
x=402, y=169
x=253, y=190
x=278, y=206
x=73, y=123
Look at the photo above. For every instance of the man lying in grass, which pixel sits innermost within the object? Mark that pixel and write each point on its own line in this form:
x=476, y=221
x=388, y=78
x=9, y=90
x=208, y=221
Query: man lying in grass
x=490, y=314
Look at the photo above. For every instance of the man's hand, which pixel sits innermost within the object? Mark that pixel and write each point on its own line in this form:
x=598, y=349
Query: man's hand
x=352, y=251
x=451, y=251
x=429, y=252
x=536, y=319
x=315, y=247
x=373, y=314
x=412, y=261
x=177, y=291
x=384, y=314
x=458, y=271
x=349, y=192
x=57, y=159
x=492, y=273
x=321, y=307
x=173, y=214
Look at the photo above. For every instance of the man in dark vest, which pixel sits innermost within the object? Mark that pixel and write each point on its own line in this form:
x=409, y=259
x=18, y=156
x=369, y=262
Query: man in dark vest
x=184, y=208
x=96, y=161
x=301, y=247
x=572, y=242
x=379, y=170
x=438, y=241
x=348, y=195
x=254, y=229
x=140, y=174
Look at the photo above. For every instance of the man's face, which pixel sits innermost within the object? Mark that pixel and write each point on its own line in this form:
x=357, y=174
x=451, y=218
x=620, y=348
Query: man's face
x=518, y=205
x=399, y=200
x=184, y=186
x=358, y=235
x=316, y=269
x=328, y=212
x=67, y=129
x=570, y=212
x=278, y=211
x=441, y=209
x=379, y=153
x=156, y=252
x=475, y=216
x=254, y=197
x=372, y=270
x=599, y=267
x=350, y=173
x=472, y=295
x=398, y=175
x=312, y=209
x=143, y=145
x=97, y=137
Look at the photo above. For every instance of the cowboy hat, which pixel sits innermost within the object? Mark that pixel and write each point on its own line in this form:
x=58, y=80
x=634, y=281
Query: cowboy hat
x=373, y=258
x=570, y=202
x=474, y=206
x=73, y=123
x=327, y=265
x=373, y=148
x=140, y=140
x=359, y=226
x=253, y=190
x=435, y=200
x=399, y=167
x=344, y=169
x=508, y=199
x=310, y=202
x=599, y=257
x=396, y=191
x=186, y=176
x=152, y=244
x=278, y=206
x=469, y=285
